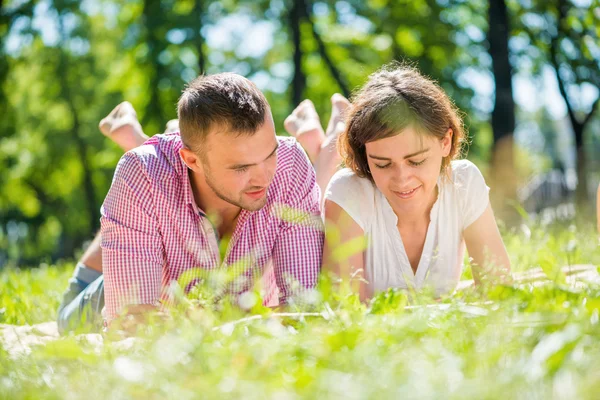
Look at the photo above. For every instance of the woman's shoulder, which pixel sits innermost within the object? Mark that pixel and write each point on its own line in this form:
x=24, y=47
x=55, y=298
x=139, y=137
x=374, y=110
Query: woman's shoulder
x=470, y=190
x=344, y=180
x=354, y=194
x=464, y=172
x=462, y=167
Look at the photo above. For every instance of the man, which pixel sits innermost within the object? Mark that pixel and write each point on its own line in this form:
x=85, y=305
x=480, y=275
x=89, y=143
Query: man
x=176, y=200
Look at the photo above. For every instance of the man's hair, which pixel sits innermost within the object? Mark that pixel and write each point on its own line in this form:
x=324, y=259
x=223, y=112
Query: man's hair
x=226, y=101
x=395, y=97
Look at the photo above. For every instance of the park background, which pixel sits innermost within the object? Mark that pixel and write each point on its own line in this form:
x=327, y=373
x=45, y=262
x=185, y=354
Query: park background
x=525, y=73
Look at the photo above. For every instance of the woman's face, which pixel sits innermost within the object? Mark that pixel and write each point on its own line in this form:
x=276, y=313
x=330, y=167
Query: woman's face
x=406, y=168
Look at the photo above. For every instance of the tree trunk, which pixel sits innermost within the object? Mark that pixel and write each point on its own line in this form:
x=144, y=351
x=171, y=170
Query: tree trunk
x=299, y=79
x=153, y=16
x=333, y=70
x=198, y=12
x=503, y=116
x=582, y=191
x=88, y=185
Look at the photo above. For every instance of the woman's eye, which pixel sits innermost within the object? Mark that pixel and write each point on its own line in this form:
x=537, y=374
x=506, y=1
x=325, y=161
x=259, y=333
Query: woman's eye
x=383, y=166
x=417, y=163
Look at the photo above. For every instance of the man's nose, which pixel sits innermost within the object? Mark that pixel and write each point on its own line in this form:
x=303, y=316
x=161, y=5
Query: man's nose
x=262, y=175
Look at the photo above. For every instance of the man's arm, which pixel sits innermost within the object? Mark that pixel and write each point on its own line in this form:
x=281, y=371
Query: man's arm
x=298, y=250
x=132, y=247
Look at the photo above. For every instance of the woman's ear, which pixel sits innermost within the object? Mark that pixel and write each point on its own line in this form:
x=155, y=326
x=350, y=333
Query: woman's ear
x=447, y=142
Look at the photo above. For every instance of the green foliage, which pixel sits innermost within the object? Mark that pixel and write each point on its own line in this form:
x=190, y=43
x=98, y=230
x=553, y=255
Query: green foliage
x=32, y=295
x=66, y=64
x=522, y=341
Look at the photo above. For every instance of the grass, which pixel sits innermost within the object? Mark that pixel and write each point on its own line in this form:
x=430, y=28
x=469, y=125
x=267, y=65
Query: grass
x=508, y=342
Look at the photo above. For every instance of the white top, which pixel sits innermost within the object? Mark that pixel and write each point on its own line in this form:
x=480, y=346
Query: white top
x=462, y=199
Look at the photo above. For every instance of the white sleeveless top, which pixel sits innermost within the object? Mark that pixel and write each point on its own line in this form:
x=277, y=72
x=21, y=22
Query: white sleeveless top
x=462, y=199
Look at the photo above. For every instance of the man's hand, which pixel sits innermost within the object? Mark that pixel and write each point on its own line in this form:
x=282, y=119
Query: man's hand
x=136, y=316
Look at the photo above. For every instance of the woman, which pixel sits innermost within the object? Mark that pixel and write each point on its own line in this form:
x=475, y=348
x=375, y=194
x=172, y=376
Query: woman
x=405, y=195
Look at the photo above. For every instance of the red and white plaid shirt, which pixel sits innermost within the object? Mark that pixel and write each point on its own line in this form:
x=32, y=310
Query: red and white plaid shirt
x=153, y=231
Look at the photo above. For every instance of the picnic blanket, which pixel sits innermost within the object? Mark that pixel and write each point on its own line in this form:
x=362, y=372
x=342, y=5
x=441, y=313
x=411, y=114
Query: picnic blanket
x=19, y=340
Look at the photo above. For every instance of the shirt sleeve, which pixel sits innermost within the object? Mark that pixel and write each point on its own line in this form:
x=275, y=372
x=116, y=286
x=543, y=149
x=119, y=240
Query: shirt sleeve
x=353, y=194
x=132, y=248
x=298, y=250
x=474, y=192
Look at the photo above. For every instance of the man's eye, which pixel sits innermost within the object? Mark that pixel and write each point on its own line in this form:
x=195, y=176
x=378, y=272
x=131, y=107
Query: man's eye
x=241, y=169
x=417, y=163
x=383, y=166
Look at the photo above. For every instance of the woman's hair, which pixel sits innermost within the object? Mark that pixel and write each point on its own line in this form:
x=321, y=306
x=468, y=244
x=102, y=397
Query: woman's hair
x=394, y=98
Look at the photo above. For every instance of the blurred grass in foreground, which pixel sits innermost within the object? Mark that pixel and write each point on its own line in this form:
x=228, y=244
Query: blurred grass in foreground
x=511, y=342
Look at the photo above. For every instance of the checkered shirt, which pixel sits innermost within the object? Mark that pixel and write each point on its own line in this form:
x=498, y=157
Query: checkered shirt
x=153, y=233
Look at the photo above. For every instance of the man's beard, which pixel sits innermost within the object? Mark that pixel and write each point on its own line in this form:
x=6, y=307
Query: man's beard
x=253, y=207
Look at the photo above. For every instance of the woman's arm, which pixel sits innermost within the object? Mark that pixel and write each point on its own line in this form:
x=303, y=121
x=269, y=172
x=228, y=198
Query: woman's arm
x=485, y=247
x=344, y=250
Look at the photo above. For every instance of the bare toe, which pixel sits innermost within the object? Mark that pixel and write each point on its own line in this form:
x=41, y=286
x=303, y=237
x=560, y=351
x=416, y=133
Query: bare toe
x=172, y=126
x=122, y=127
x=339, y=106
x=304, y=124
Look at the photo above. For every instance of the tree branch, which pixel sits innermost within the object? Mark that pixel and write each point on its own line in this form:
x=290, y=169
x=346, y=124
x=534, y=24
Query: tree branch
x=198, y=10
x=554, y=43
x=592, y=111
x=299, y=79
x=335, y=73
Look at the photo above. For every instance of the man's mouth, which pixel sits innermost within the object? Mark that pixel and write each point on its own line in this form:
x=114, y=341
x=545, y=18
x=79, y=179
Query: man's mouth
x=257, y=194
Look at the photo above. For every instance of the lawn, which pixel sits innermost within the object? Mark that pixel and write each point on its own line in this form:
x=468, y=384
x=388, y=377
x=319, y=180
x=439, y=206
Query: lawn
x=525, y=341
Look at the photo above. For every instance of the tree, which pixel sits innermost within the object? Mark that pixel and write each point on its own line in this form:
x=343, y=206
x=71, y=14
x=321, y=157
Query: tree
x=572, y=57
x=565, y=35
x=296, y=14
x=503, y=114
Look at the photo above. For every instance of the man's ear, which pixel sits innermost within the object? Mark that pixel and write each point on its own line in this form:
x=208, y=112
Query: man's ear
x=191, y=159
x=447, y=142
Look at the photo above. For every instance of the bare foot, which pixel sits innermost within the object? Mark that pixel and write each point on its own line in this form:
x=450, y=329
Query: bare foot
x=172, y=126
x=304, y=124
x=122, y=127
x=336, y=125
x=329, y=159
x=339, y=106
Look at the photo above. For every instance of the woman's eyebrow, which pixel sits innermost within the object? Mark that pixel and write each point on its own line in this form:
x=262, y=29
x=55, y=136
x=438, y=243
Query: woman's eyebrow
x=405, y=157
x=416, y=154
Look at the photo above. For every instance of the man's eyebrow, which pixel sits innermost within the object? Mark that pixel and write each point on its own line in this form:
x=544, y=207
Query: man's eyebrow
x=405, y=157
x=240, y=166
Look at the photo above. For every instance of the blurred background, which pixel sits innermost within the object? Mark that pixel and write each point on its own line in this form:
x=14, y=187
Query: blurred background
x=526, y=74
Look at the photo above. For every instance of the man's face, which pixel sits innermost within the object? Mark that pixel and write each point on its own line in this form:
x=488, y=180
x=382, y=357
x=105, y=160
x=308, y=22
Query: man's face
x=239, y=169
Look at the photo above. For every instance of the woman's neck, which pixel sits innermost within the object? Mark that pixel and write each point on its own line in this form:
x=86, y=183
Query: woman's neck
x=419, y=217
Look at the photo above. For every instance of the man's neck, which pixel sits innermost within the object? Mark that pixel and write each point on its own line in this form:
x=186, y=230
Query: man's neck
x=221, y=213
